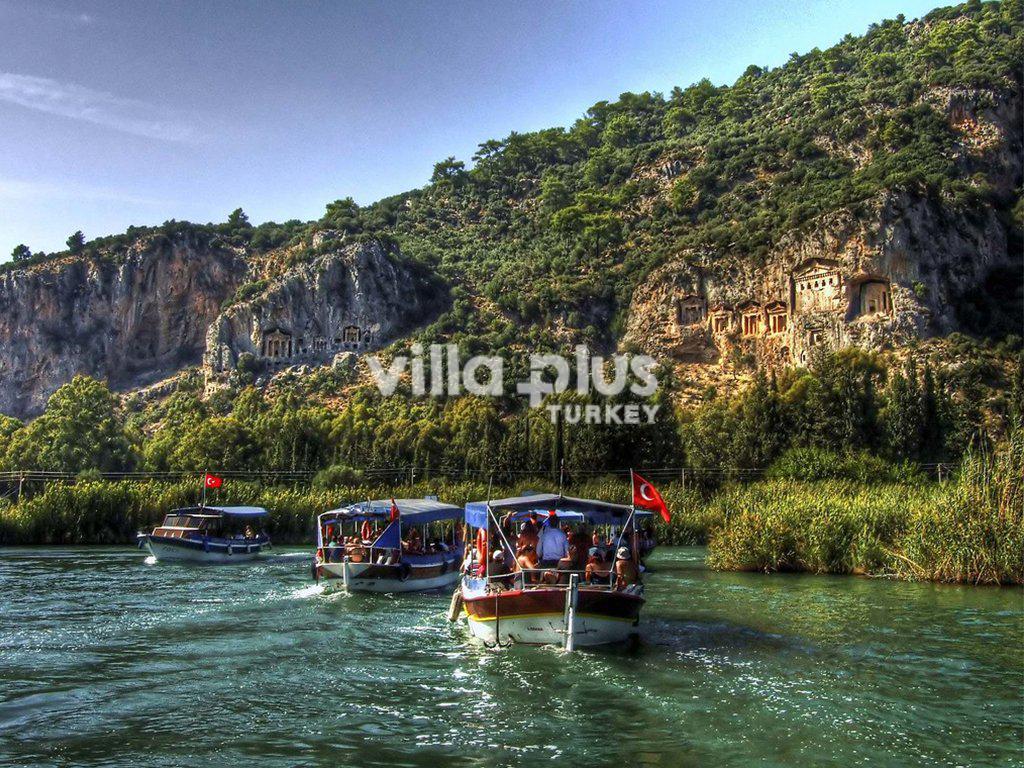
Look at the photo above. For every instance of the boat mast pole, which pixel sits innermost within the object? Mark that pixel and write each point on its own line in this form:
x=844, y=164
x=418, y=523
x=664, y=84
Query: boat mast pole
x=618, y=540
x=203, y=503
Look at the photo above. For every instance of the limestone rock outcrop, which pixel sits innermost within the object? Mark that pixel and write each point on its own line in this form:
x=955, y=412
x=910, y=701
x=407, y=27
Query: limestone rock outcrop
x=130, y=317
x=354, y=298
x=873, y=279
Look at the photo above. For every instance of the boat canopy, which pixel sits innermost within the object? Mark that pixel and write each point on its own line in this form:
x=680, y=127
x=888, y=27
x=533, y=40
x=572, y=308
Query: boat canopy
x=410, y=511
x=565, y=507
x=206, y=511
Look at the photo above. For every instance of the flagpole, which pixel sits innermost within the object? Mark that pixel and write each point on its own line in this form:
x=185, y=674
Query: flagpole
x=205, y=474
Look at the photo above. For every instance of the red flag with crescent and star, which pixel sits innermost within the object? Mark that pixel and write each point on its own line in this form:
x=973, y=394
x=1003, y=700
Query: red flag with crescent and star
x=394, y=511
x=212, y=481
x=646, y=496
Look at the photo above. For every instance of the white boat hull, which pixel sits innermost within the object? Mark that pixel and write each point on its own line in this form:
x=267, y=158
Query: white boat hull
x=551, y=630
x=169, y=552
x=334, y=580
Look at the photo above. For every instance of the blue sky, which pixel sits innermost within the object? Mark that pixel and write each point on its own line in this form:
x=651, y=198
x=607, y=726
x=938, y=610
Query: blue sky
x=119, y=113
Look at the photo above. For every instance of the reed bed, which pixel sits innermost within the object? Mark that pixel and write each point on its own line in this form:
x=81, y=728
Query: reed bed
x=968, y=530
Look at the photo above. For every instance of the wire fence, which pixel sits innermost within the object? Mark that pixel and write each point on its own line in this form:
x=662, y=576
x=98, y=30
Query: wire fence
x=411, y=475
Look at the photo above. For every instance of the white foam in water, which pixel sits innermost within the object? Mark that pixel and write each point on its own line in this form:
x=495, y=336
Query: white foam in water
x=151, y=560
x=311, y=591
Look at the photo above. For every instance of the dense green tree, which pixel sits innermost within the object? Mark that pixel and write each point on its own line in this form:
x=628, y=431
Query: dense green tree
x=21, y=253
x=344, y=215
x=217, y=444
x=449, y=170
x=76, y=242
x=80, y=429
x=903, y=416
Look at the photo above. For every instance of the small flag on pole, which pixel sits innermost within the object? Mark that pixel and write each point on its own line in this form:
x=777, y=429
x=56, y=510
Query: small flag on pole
x=394, y=510
x=646, y=496
x=212, y=481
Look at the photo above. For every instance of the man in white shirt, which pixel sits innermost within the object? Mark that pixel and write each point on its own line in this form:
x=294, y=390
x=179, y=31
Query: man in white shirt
x=553, y=544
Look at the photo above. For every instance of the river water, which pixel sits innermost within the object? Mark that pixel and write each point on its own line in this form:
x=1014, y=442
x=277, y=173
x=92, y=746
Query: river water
x=107, y=660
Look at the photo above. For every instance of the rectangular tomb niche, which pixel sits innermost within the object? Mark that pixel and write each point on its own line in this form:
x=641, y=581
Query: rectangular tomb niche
x=352, y=337
x=777, y=318
x=750, y=317
x=721, y=320
x=818, y=287
x=691, y=310
x=875, y=298
x=277, y=345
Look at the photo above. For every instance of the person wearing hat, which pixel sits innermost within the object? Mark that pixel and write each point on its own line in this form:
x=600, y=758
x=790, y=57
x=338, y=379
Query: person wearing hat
x=553, y=544
x=498, y=565
x=528, y=537
x=626, y=573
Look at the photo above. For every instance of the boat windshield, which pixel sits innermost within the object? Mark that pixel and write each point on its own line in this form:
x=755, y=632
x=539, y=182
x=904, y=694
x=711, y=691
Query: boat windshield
x=191, y=522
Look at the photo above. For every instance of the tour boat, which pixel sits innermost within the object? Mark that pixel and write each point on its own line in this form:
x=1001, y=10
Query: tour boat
x=388, y=545
x=205, y=534
x=519, y=607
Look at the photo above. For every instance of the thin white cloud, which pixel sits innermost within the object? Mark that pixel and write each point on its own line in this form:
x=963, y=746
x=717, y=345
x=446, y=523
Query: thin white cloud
x=15, y=189
x=50, y=14
x=80, y=103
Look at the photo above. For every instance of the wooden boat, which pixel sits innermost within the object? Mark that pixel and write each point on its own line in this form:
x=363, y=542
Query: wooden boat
x=204, y=534
x=582, y=607
x=388, y=545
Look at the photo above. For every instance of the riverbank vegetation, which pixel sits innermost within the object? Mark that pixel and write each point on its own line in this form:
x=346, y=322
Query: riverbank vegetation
x=969, y=528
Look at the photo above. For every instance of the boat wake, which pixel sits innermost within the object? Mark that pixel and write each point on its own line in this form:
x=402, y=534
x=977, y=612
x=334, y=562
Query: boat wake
x=306, y=592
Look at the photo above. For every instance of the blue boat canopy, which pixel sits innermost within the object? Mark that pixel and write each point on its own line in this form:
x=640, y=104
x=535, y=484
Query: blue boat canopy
x=240, y=511
x=410, y=511
x=565, y=507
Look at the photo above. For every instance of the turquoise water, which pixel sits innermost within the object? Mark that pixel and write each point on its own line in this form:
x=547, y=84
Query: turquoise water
x=105, y=660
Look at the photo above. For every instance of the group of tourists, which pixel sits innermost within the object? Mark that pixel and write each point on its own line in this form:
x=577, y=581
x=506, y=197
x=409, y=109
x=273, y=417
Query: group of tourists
x=357, y=548
x=547, y=550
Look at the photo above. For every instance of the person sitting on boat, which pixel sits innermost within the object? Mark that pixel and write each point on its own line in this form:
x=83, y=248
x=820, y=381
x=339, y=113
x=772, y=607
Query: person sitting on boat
x=626, y=573
x=596, y=567
x=527, y=537
x=333, y=549
x=500, y=573
x=528, y=563
x=598, y=543
x=414, y=546
x=553, y=544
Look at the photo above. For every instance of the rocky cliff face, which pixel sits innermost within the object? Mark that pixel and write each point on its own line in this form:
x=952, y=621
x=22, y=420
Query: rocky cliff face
x=874, y=278
x=142, y=313
x=353, y=298
x=895, y=269
x=130, y=318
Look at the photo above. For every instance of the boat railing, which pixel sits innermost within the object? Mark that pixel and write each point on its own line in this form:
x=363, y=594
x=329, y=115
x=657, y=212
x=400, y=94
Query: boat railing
x=605, y=582
x=373, y=554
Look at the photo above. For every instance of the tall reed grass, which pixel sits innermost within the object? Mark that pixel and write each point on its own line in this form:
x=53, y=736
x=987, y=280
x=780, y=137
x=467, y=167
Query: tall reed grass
x=969, y=530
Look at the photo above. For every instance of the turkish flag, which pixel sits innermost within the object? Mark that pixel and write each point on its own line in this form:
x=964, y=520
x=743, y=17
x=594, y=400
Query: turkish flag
x=212, y=481
x=646, y=496
x=394, y=510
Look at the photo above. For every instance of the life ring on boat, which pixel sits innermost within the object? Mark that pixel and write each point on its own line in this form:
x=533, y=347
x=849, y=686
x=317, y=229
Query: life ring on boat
x=366, y=530
x=403, y=571
x=481, y=545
